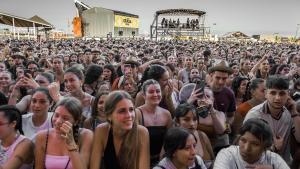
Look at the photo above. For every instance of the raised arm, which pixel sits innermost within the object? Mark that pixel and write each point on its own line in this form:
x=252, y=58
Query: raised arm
x=256, y=66
x=143, y=67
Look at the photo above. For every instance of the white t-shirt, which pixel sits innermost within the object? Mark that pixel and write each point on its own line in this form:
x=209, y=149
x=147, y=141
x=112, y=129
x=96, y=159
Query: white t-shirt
x=30, y=129
x=230, y=158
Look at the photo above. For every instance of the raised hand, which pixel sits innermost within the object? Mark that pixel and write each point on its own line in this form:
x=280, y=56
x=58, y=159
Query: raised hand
x=54, y=91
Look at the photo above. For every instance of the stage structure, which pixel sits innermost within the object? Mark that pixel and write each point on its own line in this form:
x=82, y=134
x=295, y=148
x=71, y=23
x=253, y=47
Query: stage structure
x=34, y=24
x=179, y=24
x=101, y=22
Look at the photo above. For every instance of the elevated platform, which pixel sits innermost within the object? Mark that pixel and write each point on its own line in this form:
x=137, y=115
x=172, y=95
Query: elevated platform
x=169, y=24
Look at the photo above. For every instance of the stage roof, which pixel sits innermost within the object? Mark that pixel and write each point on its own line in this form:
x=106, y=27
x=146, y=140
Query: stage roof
x=7, y=19
x=180, y=12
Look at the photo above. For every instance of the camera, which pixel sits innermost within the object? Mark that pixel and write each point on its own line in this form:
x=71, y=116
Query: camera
x=202, y=111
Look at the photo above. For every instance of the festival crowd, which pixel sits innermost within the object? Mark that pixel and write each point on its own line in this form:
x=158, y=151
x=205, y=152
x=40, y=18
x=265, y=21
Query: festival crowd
x=141, y=104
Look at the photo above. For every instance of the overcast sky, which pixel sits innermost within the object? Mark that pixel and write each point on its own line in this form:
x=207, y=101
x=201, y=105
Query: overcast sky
x=249, y=16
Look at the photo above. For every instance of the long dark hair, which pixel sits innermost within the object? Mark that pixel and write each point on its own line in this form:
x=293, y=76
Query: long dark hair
x=236, y=83
x=113, y=72
x=153, y=72
x=131, y=144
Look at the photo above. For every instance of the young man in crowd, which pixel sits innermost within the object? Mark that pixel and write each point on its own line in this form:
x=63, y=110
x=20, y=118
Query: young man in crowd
x=280, y=112
x=224, y=97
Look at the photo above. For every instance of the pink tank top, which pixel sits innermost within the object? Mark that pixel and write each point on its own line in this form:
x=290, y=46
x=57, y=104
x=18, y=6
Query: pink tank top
x=57, y=162
x=7, y=152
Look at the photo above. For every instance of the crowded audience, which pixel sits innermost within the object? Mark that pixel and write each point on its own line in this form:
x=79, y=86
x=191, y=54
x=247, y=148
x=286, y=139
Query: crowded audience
x=141, y=104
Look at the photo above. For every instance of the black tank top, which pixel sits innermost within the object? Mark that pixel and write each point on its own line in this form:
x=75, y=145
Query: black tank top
x=156, y=137
x=110, y=158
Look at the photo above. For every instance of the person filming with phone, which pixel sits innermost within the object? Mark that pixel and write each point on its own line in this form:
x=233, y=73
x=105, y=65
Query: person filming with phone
x=211, y=121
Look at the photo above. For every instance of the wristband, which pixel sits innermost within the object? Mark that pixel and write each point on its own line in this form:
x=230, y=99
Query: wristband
x=73, y=147
x=294, y=115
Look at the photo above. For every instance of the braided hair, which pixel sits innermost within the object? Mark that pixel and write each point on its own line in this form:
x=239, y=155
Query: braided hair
x=74, y=107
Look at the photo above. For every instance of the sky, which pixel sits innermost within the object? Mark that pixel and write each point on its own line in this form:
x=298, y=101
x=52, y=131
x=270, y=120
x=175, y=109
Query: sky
x=248, y=16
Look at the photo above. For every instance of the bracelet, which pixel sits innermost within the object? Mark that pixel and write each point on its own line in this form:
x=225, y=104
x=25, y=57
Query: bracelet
x=74, y=147
x=294, y=115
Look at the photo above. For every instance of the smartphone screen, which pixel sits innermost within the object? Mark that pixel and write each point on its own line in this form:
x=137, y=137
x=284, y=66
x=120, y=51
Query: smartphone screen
x=200, y=85
x=26, y=72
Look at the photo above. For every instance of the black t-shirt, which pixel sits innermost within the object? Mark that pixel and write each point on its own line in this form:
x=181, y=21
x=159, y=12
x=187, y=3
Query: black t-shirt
x=3, y=99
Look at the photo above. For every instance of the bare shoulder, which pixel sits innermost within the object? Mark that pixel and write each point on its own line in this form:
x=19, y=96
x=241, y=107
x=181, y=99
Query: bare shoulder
x=143, y=131
x=139, y=95
x=102, y=126
x=165, y=112
x=25, y=143
x=86, y=133
x=102, y=129
x=41, y=136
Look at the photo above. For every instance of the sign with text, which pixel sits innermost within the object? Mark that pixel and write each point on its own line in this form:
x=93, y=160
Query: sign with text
x=126, y=22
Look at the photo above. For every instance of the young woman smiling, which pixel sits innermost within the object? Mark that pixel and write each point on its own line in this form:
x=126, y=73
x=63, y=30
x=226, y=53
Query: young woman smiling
x=120, y=143
x=156, y=119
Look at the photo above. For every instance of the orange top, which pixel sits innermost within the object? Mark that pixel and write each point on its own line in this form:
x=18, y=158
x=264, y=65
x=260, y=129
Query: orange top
x=243, y=109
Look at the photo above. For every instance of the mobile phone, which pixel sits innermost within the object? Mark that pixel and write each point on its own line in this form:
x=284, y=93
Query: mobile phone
x=26, y=72
x=200, y=85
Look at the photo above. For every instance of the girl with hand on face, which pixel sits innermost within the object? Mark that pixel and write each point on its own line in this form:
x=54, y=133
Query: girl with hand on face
x=252, y=149
x=120, y=143
x=16, y=151
x=156, y=119
x=161, y=75
x=180, y=151
x=65, y=145
x=186, y=117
